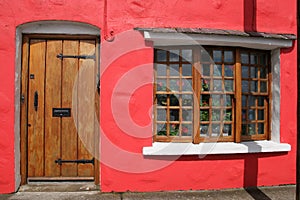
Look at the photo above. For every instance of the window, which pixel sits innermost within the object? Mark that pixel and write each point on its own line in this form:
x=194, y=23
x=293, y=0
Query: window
x=206, y=94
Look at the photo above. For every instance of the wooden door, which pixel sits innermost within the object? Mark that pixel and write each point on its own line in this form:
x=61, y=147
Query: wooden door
x=61, y=109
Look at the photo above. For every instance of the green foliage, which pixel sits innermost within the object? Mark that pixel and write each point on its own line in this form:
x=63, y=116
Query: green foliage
x=228, y=115
x=204, y=115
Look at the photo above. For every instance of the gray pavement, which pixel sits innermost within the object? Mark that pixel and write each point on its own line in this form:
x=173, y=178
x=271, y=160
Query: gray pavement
x=89, y=192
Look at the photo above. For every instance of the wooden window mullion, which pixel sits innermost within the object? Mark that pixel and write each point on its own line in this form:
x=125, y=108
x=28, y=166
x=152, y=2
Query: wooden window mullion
x=180, y=95
x=238, y=97
x=197, y=92
x=168, y=94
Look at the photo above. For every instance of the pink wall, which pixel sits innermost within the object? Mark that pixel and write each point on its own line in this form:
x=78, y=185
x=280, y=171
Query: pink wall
x=123, y=61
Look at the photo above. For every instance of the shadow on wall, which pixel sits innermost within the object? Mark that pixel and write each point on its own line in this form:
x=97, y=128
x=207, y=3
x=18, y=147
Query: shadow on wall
x=251, y=161
x=250, y=15
x=251, y=176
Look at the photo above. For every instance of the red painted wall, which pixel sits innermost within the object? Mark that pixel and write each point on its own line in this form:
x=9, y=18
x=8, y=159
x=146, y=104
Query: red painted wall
x=126, y=90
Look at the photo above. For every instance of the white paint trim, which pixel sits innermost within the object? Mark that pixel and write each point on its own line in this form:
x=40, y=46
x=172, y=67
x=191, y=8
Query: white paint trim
x=59, y=27
x=275, y=121
x=171, y=39
x=40, y=27
x=162, y=148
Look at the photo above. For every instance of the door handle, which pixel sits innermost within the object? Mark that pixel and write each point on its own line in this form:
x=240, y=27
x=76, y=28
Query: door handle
x=36, y=100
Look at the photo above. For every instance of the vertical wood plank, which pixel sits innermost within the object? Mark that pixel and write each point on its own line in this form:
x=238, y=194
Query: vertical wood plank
x=52, y=100
x=86, y=109
x=69, y=131
x=36, y=117
x=238, y=98
x=97, y=119
x=24, y=106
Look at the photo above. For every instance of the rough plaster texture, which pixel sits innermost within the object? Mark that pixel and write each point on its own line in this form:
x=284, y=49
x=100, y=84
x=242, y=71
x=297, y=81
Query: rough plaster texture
x=124, y=52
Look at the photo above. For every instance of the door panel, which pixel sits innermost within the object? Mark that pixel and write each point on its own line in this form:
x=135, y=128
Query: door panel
x=52, y=100
x=36, y=116
x=86, y=103
x=69, y=74
x=61, y=83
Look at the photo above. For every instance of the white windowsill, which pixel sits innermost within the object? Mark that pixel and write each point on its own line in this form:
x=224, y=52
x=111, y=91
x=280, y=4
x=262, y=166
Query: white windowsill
x=163, y=148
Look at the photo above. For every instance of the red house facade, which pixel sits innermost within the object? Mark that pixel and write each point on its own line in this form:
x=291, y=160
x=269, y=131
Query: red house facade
x=148, y=95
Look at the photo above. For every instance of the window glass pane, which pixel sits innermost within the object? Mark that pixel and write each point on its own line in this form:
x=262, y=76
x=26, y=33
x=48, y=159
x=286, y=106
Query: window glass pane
x=174, y=129
x=215, y=129
x=263, y=72
x=260, y=101
x=161, y=85
x=228, y=85
x=187, y=115
x=187, y=55
x=174, y=55
x=205, y=85
x=244, y=129
x=204, y=100
x=205, y=57
x=216, y=100
x=227, y=130
x=187, y=85
x=174, y=115
x=174, y=100
x=251, y=101
x=186, y=70
x=217, y=56
x=161, y=55
x=253, y=72
x=253, y=86
x=174, y=84
x=228, y=100
x=187, y=100
x=228, y=115
x=161, y=99
x=217, y=85
x=244, y=58
x=186, y=130
x=204, y=130
x=161, y=70
x=216, y=115
x=253, y=59
x=251, y=129
x=263, y=60
x=245, y=87
x=260, y=128
x=260, y=115
x=244, y=115
x=251, y=114
x=228, y=56
x=161, y=129
x=204, y=115
x=174, y=70
x=245, y=72
x=217, y=70
x=244, y=101
x=206, y=69
x=229, y=70
x=263, y=86
x=161, y=115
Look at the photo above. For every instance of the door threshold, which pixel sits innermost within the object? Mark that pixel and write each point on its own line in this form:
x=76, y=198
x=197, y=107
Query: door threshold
x=59, y=179
x=59, y=186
